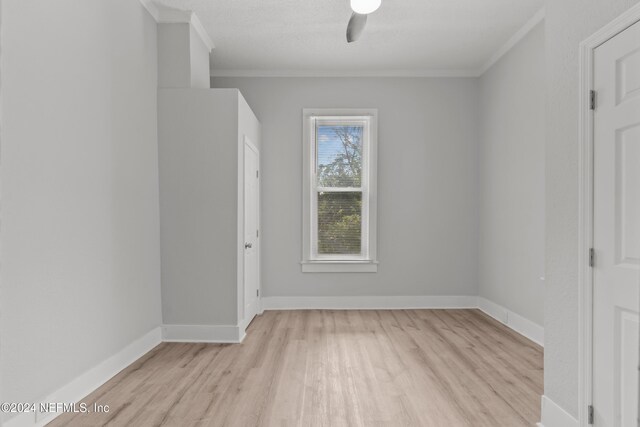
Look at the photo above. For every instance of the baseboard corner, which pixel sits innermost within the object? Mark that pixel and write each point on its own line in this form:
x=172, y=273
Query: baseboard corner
x=519, y=324
x=553, y=415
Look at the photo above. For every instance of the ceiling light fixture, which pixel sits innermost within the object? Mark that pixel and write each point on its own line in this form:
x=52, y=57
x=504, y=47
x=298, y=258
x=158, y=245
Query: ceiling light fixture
x=365, y=7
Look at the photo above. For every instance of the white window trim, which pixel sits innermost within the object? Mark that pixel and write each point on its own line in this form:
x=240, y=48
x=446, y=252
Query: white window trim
x=367, y=262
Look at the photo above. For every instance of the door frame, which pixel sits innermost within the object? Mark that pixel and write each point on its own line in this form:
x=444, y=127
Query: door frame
x=585, y=215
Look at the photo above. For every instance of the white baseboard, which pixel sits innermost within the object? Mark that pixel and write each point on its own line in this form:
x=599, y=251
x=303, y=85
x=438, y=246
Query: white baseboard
x=89, y=381
x=203, y=333
x=521, y=325
x=554, y=416
x=368, y=302
x=244, y=324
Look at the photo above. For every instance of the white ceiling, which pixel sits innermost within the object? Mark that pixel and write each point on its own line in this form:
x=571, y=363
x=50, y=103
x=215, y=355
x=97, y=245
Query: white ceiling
x=402, y=37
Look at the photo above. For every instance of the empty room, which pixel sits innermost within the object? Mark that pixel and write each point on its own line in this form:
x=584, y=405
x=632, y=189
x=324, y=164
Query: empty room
x=320, y=213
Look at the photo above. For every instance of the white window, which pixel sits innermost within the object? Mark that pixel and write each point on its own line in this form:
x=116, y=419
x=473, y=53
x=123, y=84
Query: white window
x=339, y=190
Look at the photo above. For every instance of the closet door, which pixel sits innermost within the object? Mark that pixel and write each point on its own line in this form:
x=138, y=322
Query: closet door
x=251, y=230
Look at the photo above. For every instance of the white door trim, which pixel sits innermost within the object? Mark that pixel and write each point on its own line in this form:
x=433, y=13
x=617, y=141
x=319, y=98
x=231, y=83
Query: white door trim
x=585, y=215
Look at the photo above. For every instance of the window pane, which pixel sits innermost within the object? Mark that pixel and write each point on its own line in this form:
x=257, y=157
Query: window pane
x=339, y=223
x=339, y=155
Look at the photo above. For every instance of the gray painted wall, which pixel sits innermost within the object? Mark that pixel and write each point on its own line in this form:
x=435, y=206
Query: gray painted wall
x=183, y=58
x=568, y=22
x=201, y=151
x=511, y=255
x=199, y=55
x=174, y=55
x=80, y=228
x=427, y=182
x=198, y=205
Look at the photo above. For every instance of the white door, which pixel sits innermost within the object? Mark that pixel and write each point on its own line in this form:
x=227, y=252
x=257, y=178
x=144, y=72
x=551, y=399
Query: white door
x=251, y=231
x=616, y=273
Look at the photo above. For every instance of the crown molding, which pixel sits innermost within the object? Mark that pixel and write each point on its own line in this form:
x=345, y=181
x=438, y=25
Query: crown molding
x=164, y=15
x=514, y=40
x=454, y=73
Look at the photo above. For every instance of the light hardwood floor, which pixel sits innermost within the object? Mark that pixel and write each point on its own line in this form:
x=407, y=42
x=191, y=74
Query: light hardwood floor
x=335, y=368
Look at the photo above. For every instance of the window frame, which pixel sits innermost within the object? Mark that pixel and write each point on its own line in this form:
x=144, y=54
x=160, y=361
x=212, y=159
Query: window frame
x=366, y=261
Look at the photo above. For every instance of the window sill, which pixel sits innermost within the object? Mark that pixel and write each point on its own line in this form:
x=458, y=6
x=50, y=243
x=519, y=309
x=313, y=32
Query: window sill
x=339, y=266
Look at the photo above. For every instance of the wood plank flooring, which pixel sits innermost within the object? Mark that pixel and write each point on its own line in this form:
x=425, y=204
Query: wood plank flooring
x=334, y=368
